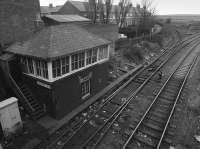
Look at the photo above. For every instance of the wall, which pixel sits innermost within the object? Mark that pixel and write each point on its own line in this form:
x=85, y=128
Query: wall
x=67, y=91
x=41, y=93
x=17, y=19
x=65, y=94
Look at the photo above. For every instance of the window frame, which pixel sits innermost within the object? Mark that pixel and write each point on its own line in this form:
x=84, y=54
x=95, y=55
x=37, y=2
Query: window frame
x=103, y=53
x=60, y=66
x=85, y=88
x=35, y=67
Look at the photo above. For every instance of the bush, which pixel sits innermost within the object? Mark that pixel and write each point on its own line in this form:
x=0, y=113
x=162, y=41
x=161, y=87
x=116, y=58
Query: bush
x=168, y=20
x=134, y=54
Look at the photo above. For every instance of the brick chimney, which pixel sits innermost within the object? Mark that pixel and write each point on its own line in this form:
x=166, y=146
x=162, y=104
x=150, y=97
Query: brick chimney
x=50, y=5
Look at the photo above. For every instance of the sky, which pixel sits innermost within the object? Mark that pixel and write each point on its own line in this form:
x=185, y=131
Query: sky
x=162, y=6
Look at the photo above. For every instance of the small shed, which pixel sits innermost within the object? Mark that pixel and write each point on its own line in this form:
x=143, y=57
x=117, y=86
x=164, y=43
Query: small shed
x=10, y=117
x=64, y=19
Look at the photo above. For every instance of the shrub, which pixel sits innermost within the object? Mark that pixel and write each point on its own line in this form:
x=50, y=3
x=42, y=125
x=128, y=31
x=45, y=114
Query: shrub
x=168, y=20
x=134, y=54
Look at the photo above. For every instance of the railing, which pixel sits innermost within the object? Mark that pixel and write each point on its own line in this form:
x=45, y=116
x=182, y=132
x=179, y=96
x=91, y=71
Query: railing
x=18, y=91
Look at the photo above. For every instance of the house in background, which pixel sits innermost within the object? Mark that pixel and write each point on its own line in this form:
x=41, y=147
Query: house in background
x=81, y=8
x=132, y=18
x=48, y=10
x=64, y=19
x=58, y=69
x=75, y=7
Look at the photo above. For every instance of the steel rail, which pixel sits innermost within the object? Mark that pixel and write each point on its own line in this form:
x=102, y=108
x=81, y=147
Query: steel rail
x=155, y=99
x=120, y=109
x=177, y=98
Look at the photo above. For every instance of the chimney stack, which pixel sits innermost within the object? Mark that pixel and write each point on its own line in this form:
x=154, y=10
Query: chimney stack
x=50, y=5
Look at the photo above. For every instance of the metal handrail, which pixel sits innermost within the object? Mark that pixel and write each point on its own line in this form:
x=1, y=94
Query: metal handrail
x=20, y=92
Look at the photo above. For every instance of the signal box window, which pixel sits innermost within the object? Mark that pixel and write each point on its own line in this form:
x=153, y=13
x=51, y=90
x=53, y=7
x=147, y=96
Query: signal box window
x=85, y=89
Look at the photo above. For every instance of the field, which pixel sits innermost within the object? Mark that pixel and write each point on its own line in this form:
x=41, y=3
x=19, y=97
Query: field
x=181, y=18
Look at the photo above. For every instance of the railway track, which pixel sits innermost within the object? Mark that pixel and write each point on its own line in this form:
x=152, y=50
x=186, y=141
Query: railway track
x=97, y=137
x=112, y=105
x=151, y=131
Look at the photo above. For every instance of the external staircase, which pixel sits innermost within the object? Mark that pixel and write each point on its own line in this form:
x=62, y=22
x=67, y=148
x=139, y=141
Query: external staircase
x=37, y=110
x=27, y=100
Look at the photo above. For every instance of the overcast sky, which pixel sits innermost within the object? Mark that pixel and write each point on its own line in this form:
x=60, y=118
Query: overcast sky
x=162, y=6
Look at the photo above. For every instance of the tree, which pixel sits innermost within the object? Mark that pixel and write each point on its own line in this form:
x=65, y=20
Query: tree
x=93, y=10
x=121, y=13
x=117, y=14
x=101, y=11
x=147, y=16
x=108, y=5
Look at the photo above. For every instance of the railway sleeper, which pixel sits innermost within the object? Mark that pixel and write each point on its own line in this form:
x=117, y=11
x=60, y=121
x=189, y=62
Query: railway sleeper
x=156, y=120
x=148, y=142
x=164, y=107
x=170, y=132
x=145, y=75
x=183, y=69
x=163, y=101
x=138, y=81
x=118, y=101
x=110, y=108
x=169, y=91
x=153, y=125
x=100, y=120
x=150, y=133
x=182, y=72
x=134, y=86
x=160, y=110
x=105, y=114
x=158, y=115
x=167, y=96
x=167, y=139
x=174, y=86
x=156, y=123
x=151, y=97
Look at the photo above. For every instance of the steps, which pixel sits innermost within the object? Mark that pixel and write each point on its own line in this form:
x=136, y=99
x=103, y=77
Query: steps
x=38, y=110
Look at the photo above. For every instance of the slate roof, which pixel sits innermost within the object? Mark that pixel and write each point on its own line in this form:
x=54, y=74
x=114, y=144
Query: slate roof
x=57, y=41
x=106, y=31
x=81, y=6
x=67, y=18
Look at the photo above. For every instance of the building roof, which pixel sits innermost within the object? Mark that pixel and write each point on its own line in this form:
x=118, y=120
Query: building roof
x=67, y=18
x=48, y=10
x=57, y=41
x=106, y=31
x=81, y=6
x=84, y=6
